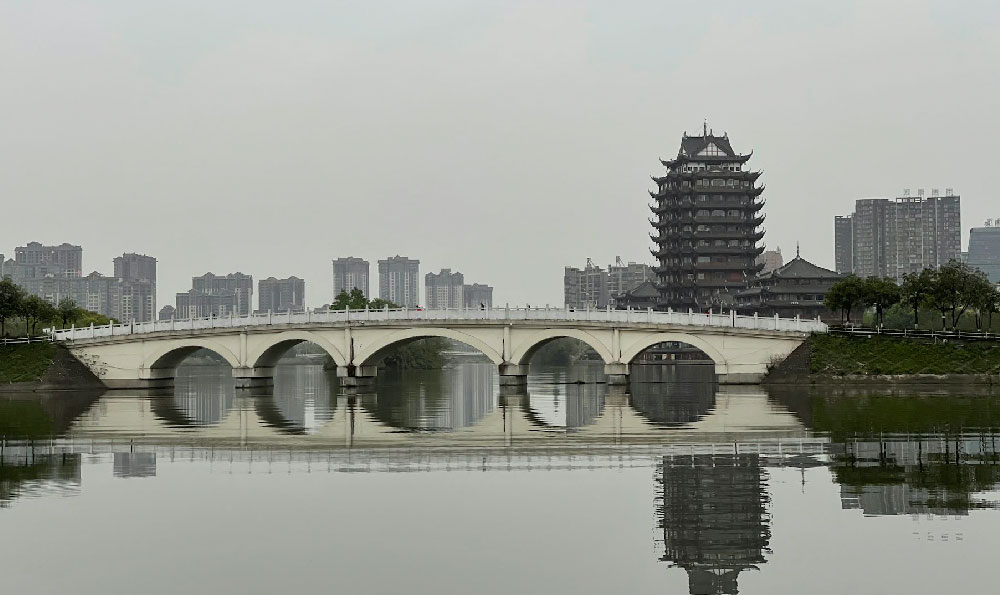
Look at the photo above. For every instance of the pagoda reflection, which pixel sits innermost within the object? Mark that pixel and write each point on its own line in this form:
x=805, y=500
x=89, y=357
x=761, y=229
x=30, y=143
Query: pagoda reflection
x=712, y=510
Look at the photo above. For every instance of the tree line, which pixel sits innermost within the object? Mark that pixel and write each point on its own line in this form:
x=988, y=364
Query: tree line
x=32, y=310
x=953, y=290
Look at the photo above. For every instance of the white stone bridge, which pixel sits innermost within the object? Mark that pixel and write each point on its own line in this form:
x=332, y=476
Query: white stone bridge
x=146, y=354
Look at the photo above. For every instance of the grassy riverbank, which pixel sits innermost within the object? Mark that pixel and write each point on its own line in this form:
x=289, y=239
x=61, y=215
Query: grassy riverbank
x=831, y=357
x=25, y=363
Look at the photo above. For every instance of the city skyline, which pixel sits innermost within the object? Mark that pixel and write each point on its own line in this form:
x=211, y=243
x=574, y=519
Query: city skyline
x=227, y=146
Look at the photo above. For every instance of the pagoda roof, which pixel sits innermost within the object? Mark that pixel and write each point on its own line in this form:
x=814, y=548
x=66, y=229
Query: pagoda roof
x=646, y=289
x=706, y=147
x=800, y=268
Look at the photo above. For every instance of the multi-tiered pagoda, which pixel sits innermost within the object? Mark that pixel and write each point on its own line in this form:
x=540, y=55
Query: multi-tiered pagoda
x=707, y=220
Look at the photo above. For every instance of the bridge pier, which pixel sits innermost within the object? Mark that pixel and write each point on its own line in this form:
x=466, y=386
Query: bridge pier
x=356, y=376
x=513, y=375
x=617, y=373
x=253, y=377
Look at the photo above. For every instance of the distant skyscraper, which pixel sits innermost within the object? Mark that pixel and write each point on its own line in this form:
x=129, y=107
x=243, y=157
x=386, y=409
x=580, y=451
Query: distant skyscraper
x=892, y=237
x=138, y=273
x=281, y=295
x=771, y=259
x=624, y=277
x=843, y=231
x=195, y=304
x=349, y=273
x=585, y=288
x=444, y=289
x=478, y=295
x=67, y=256
x=241, y=285
x=984, y=249
x=398, y=281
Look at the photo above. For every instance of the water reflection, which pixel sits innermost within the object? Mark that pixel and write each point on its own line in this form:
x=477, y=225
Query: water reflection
x=553, y=401
x=25, y=473
x=712, y=511
x=434, y=400
x=202, y=395
x=302, y=400
x=673, y=395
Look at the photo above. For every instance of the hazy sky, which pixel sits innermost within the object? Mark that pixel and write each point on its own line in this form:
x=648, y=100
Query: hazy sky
x=502, y=139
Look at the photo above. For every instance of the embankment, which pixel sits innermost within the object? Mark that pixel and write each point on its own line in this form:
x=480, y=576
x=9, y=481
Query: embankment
x=43, y=367
x=825, y=359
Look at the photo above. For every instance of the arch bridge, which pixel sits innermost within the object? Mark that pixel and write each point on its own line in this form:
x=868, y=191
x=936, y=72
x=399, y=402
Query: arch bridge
x=138, y=355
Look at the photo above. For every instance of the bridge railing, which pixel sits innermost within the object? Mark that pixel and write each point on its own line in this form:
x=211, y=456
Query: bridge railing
x=360, y=317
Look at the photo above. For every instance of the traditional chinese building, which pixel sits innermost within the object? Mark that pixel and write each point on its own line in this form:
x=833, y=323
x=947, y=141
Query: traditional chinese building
x=707, y=212
x=794, y=289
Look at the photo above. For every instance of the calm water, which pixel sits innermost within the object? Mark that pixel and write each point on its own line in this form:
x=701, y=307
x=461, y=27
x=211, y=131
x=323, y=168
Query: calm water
x=436, y=482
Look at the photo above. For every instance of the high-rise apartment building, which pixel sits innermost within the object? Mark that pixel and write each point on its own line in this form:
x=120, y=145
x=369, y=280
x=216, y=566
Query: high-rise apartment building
x=478, y=295
x=892, y=237
x=707, y=219
x=843, y=238
x=586, y=287
x=444, y=289
x=138, y=272
x=197, y=304
x=67, y=256
x=984, y=249
x=398, y=281
x=350, y=273
x=281, y=295
x=241, y=285
x=53, y=273
x=623, y=277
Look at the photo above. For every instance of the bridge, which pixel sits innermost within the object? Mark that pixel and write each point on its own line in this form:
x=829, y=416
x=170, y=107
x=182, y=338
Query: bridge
x=144, y=355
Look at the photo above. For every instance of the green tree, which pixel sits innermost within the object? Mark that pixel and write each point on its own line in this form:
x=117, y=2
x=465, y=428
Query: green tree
x=916, y=289
x=379, y=303
x=844, y=296
x=985, y=298
x=355, y=300
x=955, y=291
x=34, y=310
x=69, y=312
x=11, y=301
x=879, y=293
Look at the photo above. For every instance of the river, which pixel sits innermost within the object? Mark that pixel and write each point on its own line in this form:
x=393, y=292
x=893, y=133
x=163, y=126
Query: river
x=439, y=482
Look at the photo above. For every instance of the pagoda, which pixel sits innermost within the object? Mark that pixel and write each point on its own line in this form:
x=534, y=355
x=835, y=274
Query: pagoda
x=707, y=217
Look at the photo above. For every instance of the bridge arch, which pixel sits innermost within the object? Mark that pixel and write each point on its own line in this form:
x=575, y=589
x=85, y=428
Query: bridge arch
x=369, y=353
x=522, y=352
x=268, y=349
x=167, y=355
x=637, y=345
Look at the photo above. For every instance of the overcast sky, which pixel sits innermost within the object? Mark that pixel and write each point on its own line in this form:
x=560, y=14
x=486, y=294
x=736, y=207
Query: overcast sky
x=502, y=139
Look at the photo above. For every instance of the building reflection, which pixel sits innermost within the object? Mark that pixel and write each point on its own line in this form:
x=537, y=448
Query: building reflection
x=712, y=510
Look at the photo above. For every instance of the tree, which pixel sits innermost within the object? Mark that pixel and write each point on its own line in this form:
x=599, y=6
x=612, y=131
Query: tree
x=879, y=293
x=916, y=289
x=844, y=295
x=379, y=303
x=956, y=290
x=355, y=300
x=11, y=300
x=986, y=300
x=34, y=310
x=68, y=311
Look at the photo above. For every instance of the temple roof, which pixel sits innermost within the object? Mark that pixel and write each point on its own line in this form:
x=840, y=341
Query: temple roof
x=691, y=146
x=801, y=268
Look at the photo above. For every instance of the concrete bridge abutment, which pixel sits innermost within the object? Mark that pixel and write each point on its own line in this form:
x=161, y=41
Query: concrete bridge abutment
x=513, y=375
